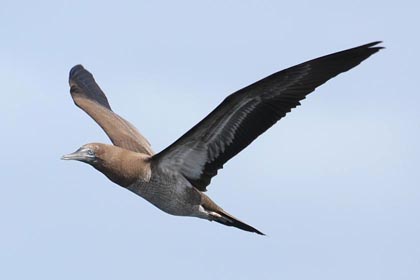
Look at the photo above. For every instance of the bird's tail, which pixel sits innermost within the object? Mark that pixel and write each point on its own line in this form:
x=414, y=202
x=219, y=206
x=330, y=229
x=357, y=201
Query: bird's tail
x=217, y=214
x=226, y=219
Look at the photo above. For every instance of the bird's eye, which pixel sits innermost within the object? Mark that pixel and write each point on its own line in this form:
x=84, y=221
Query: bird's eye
x=90, y=153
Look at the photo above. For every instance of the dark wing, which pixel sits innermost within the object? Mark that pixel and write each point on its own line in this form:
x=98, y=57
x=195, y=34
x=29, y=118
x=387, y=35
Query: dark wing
x=247, y=113
x=90, y=98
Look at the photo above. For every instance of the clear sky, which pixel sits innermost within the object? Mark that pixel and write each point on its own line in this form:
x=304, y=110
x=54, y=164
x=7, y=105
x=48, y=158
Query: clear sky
x=334, y=185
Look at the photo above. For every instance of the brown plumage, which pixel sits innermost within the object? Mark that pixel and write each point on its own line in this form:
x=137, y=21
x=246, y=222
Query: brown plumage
x=174, y=180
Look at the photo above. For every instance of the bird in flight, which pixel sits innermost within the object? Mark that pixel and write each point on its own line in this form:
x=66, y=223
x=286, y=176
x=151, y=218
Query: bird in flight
x=175, y=179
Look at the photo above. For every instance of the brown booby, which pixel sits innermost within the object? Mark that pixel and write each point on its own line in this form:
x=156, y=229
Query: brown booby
x=175, y=179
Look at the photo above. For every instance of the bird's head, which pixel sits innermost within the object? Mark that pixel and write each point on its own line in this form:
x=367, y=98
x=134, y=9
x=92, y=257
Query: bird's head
x=90, y=153
x=120, y=165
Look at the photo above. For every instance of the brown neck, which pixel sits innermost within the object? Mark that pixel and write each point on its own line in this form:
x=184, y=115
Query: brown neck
x=121, y=166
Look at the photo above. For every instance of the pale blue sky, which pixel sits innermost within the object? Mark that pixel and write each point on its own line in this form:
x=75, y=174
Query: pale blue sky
x=335, y=185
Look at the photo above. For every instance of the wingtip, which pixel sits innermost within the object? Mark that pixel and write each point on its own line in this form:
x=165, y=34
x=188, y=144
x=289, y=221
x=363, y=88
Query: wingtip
x=374, y=45
x=75, y=70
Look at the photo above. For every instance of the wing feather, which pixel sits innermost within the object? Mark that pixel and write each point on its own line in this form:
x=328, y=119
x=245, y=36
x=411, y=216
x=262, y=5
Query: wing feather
x=247, y=113
x=88, y=96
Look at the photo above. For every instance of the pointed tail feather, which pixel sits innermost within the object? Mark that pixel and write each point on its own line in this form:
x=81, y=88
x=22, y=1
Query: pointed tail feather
x=228, y=220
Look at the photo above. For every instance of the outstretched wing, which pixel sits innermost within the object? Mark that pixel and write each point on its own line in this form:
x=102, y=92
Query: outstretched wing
x=90, y=98
x=247, y=113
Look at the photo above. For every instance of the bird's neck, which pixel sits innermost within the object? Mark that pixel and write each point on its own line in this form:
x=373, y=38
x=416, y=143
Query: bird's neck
x=125, y=167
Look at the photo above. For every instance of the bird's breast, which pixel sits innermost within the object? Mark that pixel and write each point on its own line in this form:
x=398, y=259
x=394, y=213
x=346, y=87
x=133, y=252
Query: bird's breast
x=170, y=193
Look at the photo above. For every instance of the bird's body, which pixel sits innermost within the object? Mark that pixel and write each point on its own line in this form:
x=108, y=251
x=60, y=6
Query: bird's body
x=169, y=191
x=174, y=180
